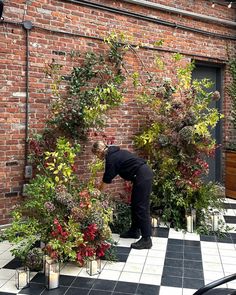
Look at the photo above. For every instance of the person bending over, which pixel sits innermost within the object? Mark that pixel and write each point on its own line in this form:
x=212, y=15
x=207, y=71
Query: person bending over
x=131, y=168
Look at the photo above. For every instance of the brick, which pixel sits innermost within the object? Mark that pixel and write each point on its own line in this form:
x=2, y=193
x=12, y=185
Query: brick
x=123, y=122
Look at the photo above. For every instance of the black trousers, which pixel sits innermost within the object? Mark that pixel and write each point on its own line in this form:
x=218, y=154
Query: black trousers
x=140, y=204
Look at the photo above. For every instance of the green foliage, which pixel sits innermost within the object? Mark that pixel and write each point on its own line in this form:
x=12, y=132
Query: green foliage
x=178, y=140
x=69, y=216
x=94, y=87
x=121, y=217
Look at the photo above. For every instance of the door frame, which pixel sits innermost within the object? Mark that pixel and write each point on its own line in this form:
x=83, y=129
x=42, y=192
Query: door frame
x=220, y=69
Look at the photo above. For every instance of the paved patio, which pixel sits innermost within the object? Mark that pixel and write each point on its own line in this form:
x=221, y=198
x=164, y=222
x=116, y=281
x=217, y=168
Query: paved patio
x=179, y=263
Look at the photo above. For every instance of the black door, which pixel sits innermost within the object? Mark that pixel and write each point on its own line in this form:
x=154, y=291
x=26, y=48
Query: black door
x=214, y=74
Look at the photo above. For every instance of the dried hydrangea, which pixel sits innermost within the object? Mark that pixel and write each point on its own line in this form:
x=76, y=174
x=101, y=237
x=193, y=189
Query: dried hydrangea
x=49, y=206
x=65, y=198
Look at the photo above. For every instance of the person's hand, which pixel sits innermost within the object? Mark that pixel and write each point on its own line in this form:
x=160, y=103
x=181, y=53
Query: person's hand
x=102, y=186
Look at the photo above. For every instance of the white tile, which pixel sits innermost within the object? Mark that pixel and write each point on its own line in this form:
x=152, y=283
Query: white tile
x=160, y=247
x=173, y=234
x=126, y=242
x=3, y=262
x=7, y=274
x=209, y=252
x=136, y=259
x=6, y=243
x=228, y=253
x=9, y=287
x=226, y=246
x=159, y=241
x=6, y=255
x=209, y=245
x=70, y=269
x=115, y=237
x=231, y=201
x=213, y=275
x=189, y=291
x=155, y=261
x=228, y=260
x=209, y=266
x=143, y=252
x=151, y=279
x=211, y=258
x=5, y=247
x=229, y=212
x=83, y=273
x=133, y=267
x=229, y=268
x=156, y=253
x=107, y=274
x=232, y=284
x=114, y=265
x=2, y=282
x=170, y=290
x=192, y=237
x=153, y=269
x=129, y=277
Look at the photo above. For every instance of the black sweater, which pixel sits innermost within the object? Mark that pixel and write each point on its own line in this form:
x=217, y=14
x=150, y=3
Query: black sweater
x=122, y=163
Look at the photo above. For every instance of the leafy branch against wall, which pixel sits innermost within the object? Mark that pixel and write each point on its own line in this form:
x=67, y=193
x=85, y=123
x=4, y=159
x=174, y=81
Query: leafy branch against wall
x=94, y=86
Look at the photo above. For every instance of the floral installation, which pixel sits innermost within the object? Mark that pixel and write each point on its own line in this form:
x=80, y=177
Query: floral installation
x=70, y=217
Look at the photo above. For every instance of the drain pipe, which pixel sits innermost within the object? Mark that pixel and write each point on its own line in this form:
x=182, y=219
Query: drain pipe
x=27, y=25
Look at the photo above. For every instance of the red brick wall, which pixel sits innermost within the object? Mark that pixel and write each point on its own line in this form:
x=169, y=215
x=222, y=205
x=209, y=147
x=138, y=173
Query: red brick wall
x=87, y=23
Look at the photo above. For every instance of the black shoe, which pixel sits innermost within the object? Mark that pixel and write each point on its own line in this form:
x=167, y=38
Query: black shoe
x=143, y=243
x=131, y=234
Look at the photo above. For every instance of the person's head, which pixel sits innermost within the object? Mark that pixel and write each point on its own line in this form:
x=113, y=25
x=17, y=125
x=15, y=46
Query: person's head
x=99, y=149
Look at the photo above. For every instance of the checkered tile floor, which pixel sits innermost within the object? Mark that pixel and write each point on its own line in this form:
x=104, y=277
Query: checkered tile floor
x=179, y=263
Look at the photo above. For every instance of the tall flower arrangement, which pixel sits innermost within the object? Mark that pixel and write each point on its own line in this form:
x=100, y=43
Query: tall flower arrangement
x=178, y=142
x=69, y=216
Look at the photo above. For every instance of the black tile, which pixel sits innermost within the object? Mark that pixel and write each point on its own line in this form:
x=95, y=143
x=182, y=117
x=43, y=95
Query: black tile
x=233, y=235
x=208, y=238
x=144, y=289
x=105, y=285
x=34, y=289
x=99, y=292
x=193, y=273
x=175, y=248
x=123, y=250
x=58, y=291
x=193, y=264
x=192, y=243
x=5, y=293
x=122, y=257
x=172, y=271
x=193, y=256
x=81, y=282
x=126, y=287
x=230, y=219
x=175, y=242
x=66, y=280
x=174, y=255
x=192, y=283
x=171, y=281
x=232, y=206
x=227, y=206
x=39, y=278
x=120, y=293
x=161, y=232
x=13, y=264
x=225, y=239
x=190, y=249
x=173, y=262
x=77, y=291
